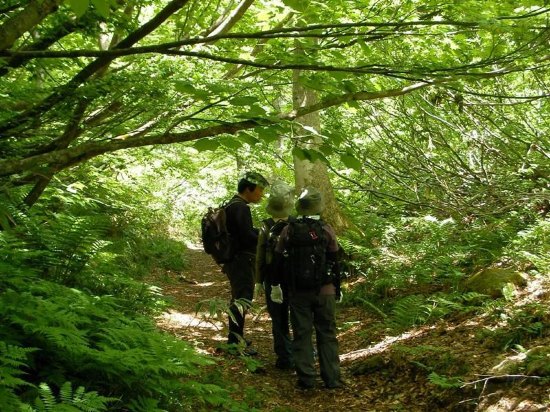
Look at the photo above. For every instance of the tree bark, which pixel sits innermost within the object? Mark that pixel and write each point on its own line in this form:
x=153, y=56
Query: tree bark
x=25, y=20
x=307, y=173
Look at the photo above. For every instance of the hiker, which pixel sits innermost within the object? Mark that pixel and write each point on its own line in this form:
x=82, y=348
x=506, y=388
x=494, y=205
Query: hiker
x=240, y=270
x=313, y=288
x=279, y=206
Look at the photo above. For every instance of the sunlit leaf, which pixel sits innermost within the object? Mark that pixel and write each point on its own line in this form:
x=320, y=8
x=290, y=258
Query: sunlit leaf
x=102, y=7
x=243, y=101
x=351, y=161
x=297, y=5
x=206, y=144
x=269, y=134
x=188, y=88
x=231, y=143
x=79, y=6
x=311, y=129
x=254, y=112
x=248, y=138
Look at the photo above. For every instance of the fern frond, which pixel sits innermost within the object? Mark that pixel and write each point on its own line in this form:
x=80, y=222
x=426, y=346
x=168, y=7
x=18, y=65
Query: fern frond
x=409, y=311
x=47, y=399
x=68, y=401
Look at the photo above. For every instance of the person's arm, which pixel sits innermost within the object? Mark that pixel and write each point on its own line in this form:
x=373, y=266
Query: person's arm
x=333, y=262
x=259, y=274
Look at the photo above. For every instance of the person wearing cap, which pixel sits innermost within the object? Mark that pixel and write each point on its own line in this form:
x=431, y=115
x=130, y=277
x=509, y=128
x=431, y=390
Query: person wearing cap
x=280, y=205
x=240, y=271
x=312, y=307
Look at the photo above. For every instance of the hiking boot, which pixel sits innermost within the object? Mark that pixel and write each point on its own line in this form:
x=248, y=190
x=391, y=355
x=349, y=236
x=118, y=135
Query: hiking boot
x=284, y=364
x=230, y=349
x=334, y=385
x=304, y=385
x=250, y=352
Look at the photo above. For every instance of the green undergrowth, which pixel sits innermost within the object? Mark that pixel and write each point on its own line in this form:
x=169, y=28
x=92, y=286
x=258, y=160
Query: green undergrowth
x=77, y=328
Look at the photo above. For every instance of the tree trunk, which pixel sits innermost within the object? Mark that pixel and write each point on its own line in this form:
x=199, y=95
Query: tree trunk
x=307, y=173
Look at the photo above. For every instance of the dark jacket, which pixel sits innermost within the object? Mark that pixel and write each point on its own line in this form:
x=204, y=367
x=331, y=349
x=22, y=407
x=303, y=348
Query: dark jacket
x=239, y=225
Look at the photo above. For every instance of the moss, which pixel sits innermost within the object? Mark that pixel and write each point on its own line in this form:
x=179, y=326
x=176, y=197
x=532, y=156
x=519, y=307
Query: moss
x=491, y=281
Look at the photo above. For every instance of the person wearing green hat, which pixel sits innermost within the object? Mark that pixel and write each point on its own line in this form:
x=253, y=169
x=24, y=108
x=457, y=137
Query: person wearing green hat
x=312, y=279
x=240, y=271
x=280, y=205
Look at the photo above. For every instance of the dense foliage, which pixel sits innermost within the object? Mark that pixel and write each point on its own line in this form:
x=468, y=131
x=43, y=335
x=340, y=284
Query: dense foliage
x=434, y=125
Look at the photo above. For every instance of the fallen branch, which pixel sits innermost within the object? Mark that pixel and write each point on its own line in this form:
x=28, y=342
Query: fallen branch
x=501, y=379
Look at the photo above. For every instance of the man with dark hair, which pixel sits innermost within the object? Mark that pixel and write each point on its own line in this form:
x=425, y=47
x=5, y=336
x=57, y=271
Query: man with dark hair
x=313, y=282
x=240, y=271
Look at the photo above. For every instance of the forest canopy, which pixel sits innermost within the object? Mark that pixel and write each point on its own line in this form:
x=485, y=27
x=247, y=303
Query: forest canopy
x=425, y=123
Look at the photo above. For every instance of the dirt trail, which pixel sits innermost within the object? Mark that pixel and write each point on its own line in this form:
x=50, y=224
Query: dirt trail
x=394, y=386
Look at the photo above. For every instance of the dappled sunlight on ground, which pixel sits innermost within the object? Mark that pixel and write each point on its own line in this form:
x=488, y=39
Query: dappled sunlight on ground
x=385, y=344
x=185, y=320
x=398, y=383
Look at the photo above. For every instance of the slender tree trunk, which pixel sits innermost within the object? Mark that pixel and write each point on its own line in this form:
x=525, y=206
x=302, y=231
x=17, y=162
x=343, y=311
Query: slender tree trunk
x=307, y=173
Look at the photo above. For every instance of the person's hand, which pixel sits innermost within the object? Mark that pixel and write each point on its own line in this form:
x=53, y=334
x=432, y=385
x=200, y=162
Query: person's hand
x=258, y=290
x=277, y=294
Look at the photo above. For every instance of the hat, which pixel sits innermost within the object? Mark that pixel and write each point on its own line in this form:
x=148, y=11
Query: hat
x=281, y=200
x=256, y=179
x=310, y=202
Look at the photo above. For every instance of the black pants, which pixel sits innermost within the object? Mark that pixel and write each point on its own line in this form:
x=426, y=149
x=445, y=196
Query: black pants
x=240, y=273
x=308, y=311
x=280, y=327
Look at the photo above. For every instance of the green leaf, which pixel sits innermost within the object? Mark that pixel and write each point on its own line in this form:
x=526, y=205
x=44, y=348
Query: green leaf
x=316, y=155
x=335, y=138
x=203, y=145
x=248, y=138
x=297, y=5
x=231, y=143
x=326, y=149
x=255, y=111
x=243, y=101
x=188, y=88
x=299, y=153
x=269, y=134
x=312, y=130
x=102, y=7
x=351, y=161
x=308, y=154
x=79, y=6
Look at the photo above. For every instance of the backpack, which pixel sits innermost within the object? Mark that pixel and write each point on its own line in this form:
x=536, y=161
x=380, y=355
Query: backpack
x=274, y=230
x=271, y=240
x=216, y=240
x=306, y=247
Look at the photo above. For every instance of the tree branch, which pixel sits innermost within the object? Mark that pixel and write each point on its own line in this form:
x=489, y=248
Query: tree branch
x=85, y=151
x=69, y=88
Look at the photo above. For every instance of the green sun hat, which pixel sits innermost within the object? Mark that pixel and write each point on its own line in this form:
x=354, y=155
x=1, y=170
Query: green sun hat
x=256, y=179
x=280, y=201
x=310, y=202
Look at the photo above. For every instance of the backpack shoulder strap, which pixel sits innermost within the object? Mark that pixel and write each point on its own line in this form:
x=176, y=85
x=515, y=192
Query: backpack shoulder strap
x=232, y=201
x=269, y=222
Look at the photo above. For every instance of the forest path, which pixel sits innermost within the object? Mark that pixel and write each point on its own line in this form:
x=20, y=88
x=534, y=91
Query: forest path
x=394, y=385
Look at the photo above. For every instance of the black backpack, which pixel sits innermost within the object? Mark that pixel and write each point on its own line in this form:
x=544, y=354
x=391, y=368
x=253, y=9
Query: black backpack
x=306, y=247
x=216, y=240
x=273, y=234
